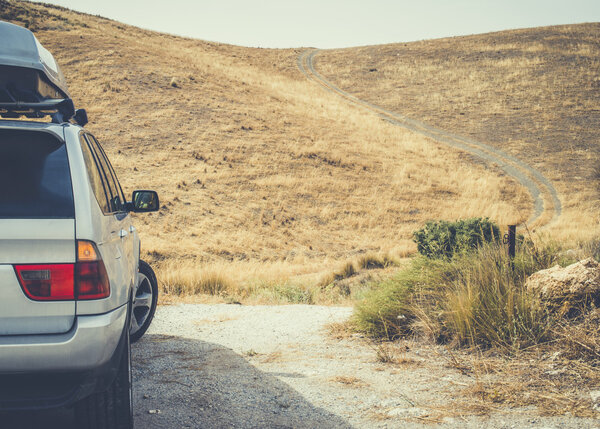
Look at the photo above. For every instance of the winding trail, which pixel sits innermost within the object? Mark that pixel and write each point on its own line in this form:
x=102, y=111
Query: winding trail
x=544, y=195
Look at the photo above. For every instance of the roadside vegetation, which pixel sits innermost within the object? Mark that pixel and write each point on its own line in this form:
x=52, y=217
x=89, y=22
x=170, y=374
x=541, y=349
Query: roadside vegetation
x=471, y=298
x=257, y=284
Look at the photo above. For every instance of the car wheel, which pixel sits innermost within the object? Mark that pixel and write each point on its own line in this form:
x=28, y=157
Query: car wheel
x=144, y=302
x=112, y=409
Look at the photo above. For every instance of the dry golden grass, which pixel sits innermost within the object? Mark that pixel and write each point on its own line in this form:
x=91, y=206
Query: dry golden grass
x=340, y=330
x=265, y=179
x=533, y=92
x=349, y=381
x=543, y=377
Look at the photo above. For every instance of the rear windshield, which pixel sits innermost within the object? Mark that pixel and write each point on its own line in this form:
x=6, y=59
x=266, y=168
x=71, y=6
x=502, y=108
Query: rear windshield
x=35, y=181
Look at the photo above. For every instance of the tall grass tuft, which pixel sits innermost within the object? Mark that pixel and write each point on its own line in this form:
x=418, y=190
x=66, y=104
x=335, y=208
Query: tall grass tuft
x=191, y=281
x=372, y=261
x=487, y=304
x=388, y=310
x=476, y=298
x=348, y=270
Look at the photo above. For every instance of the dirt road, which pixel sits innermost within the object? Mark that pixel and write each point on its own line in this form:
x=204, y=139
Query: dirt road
x=232, y=366
x=543, y=194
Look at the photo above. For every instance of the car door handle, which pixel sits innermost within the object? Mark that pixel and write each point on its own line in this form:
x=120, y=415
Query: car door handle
x=123, y=233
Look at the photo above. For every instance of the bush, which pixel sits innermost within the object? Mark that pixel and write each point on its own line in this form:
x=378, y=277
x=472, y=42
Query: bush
x=476, y=298
x=389, y=309
x=439, y=239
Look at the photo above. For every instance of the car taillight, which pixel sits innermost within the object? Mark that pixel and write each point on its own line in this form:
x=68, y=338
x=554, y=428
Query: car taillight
x=48, y=282
x=86, y=279
x=91, y=279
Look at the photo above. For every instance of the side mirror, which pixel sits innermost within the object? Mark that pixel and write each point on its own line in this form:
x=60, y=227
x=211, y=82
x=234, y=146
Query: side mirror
x=144, y=201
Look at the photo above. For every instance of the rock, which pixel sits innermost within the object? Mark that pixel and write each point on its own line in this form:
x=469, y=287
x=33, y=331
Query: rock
x=573, y=283
x=595, y=395
x=174, y=83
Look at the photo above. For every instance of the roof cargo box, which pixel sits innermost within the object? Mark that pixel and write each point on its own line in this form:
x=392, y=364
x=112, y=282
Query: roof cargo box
x=28, y=72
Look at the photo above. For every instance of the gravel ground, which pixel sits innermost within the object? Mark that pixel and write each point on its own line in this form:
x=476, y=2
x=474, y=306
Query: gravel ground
x=232, y=366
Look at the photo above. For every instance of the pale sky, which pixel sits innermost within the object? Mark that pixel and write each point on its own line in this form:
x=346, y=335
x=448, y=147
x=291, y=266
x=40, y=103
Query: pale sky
x=335, y=23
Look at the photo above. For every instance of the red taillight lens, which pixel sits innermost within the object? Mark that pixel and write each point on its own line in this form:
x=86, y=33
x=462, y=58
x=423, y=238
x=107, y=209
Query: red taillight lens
x=49, y=282
x=91, y=279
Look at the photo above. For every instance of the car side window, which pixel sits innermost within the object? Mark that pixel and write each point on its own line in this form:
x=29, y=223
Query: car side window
x=116, y=200
x=95, y=175
x=114, y=175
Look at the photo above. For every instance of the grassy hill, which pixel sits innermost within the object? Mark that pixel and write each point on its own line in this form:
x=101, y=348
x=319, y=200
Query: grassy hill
x=267, y=179
x=532, y=92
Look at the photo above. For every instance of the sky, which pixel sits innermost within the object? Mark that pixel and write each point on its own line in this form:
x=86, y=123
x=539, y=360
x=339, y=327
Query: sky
x=335, y=23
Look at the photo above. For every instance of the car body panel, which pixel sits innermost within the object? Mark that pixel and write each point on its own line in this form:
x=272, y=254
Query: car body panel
x=88, y=344
x=102, y=229
x=20, y=315
x=28, y=241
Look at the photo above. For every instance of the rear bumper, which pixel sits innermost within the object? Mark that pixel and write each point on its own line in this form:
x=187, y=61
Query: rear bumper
x=48, y=371
x=89, y=344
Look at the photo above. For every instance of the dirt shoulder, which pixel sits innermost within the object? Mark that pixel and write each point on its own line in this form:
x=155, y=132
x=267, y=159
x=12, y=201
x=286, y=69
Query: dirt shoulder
x=279, y=366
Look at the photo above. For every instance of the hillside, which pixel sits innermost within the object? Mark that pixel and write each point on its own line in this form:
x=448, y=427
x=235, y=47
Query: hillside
x=534, y=93
x=266, y=177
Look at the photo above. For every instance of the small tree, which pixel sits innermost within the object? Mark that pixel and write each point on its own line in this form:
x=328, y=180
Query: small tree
x=443, y=239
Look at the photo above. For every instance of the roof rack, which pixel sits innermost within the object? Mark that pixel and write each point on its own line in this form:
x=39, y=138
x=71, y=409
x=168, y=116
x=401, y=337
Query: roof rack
x=60, y=111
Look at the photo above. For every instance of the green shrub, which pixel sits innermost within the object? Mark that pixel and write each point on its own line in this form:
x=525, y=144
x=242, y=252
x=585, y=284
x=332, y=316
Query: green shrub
x=475, y=298
x=388, y=309
x=439, y=239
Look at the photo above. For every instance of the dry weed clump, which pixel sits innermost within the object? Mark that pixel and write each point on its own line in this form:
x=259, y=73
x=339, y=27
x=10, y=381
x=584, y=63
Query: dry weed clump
x=543, y=376
x=374, y=261
x=340, y=330
x=192, y=281
x=348, y=380
x=580, y=338
x=348, y=270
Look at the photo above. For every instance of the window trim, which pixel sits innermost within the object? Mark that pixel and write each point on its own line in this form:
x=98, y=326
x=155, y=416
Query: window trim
x=112, y=172
x=91, y=142
x=84, y=140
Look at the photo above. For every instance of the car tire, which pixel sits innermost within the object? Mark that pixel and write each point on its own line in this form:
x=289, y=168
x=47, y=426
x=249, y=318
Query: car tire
x=144, y=302
x=113, y=408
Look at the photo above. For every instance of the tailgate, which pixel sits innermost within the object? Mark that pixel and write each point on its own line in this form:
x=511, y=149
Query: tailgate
x=33, y=241
x=37, y=227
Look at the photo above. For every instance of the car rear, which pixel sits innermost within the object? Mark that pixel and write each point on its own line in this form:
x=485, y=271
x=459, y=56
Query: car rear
x=49, y=356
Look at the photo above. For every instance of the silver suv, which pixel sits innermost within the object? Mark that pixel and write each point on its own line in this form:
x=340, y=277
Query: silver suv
x=73, y=290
